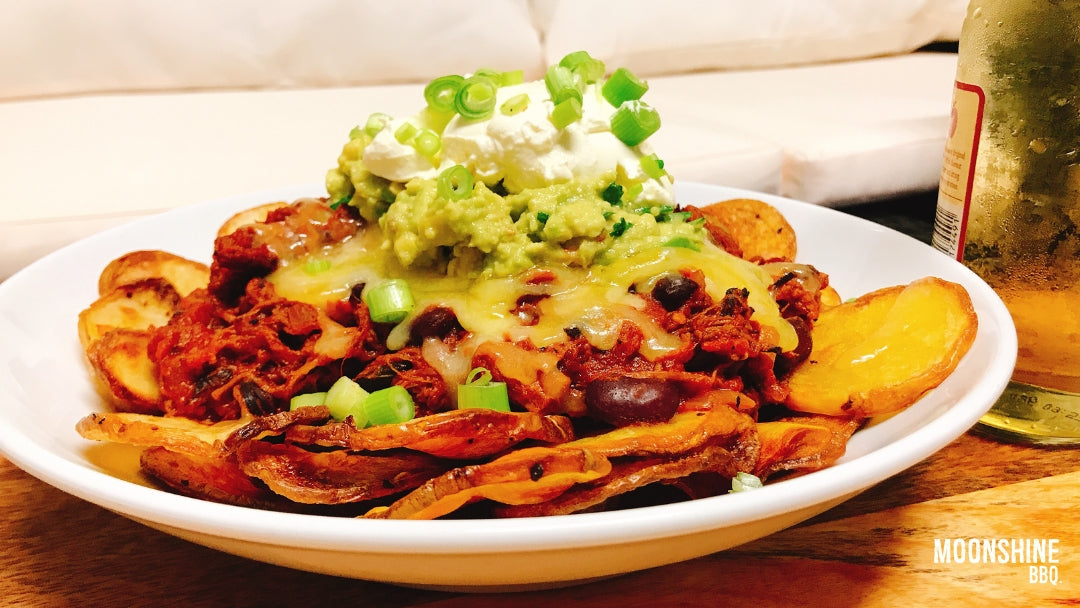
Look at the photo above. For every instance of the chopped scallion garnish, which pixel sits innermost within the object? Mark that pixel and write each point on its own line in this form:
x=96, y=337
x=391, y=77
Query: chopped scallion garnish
x=455, y=183
x=623, y=86
x=480, y=392
x=406, y=132
x=441, y=92
x=745, y=481
x=307, y=400
x=391, y=405
x=346, y=398
x=476, y=98
x=375, y=123
x=510, y=78
x=427, y=142
x=316, y=265
x=634, y=122
x=566, y=112
x=584, y=66
x=542, y=216
x=561, y=84
x=653, y=166
x=389, y=301
x=515, y=105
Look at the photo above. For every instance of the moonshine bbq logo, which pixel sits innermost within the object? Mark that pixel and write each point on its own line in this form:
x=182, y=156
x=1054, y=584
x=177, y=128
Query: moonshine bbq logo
x=1040, y=556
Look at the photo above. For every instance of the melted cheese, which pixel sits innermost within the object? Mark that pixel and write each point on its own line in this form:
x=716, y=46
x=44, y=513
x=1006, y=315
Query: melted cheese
x=594, y=300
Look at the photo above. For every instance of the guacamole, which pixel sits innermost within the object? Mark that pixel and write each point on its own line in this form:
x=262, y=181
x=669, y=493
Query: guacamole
x=486, y=233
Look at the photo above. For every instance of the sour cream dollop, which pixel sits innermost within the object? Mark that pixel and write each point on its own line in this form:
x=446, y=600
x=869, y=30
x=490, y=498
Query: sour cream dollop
x=524, y=149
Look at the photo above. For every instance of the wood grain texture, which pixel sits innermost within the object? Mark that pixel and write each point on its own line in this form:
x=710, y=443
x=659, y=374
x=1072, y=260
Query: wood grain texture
x=875, y=550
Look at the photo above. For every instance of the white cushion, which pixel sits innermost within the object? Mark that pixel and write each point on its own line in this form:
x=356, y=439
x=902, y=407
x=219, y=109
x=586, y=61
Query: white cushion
x=848, y=131
x=830, y=134
x=653, y=38
x=55, y=47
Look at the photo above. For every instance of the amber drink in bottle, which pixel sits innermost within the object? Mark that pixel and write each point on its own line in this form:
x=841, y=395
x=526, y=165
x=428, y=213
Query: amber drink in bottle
x=1009, y=199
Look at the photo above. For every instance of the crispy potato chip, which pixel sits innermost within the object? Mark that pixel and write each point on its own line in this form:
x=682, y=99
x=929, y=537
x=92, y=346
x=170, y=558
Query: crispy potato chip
x=181, y=435
x=249, y=216
x=704, y=419
x=628, y=475
x=213, y=477
x=183, y=274
x=881, y=352
x=461, y=434
x=805, y=443
x=762, y=232
x=506, y=479
x=146, y=303
x=524, y=476
x=338, y=476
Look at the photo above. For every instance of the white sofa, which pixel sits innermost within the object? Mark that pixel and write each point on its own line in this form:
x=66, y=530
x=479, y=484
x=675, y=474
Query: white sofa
x=114, y=109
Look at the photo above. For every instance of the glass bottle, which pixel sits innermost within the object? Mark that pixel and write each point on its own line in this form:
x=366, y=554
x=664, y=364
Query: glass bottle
x=1009, y=199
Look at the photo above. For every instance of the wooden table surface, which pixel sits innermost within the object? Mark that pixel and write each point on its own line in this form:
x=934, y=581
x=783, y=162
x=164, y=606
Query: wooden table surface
x=877, y=549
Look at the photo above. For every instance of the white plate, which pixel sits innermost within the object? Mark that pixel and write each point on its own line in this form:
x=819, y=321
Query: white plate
x=44, y=390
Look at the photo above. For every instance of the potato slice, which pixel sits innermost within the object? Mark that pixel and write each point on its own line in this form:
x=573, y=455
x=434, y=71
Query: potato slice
x=879, y=353
x=628, y=475
x=457, y=434
x=123, y=371
x=147, y=303
x=183, y=274
x=526, y=476
x=209, y=477
x=806, y=443
x=181, y=435
x=762, y=232
x=249, y=216
x=336, y=477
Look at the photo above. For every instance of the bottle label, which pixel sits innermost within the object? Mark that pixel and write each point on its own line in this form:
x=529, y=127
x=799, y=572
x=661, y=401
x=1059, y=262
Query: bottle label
x=958, y=170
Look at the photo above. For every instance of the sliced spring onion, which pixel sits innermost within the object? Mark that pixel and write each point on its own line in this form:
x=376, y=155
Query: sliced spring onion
x=623, y=86
x=612, y=193
x=355, y=132
x=515, y=105
x=634, y=122
x=566, y=112
x=683, y=242
x=476, y=97
x=585, y=66
x=346, y=398
x=561, y=84
x=391, y=405
x=510, y=78
x=407, y=131
x=653, y=166
x=307, y=400
x=480, y=392
x=389, y=301
x=376, y=122
x=745, y=481
x=455, y=183
x=634, y=191
x=316, y=266
x=441, y=92
x=427, y=142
